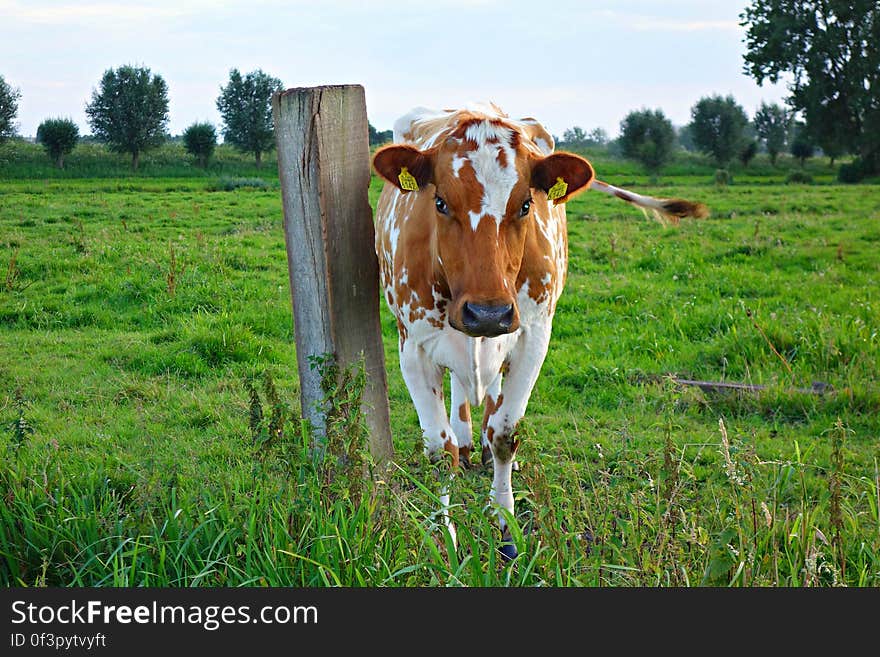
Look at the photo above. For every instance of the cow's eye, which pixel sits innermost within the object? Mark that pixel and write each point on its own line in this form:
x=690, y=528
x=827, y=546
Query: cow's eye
x=440, y=204
x=524, y=210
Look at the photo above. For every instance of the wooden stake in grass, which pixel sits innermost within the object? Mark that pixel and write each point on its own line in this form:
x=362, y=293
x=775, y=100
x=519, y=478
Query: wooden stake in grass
x=171, y=276
x=877, y=493
x=324, y=166
x=79, y=242
x=764, y=335
x=12, y=272
x=613, y=243
x=835, y=485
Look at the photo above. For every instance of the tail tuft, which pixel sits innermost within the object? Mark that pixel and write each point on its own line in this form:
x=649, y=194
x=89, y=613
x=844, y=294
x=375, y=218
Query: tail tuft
x=665, y=210
x=677, y=208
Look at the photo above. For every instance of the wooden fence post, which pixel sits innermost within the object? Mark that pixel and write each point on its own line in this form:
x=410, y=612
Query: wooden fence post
x=324, y=166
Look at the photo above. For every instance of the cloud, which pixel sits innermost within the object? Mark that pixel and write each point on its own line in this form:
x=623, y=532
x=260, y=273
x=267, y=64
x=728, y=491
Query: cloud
x=650, y=23
x=699, y=18
x=98, y=13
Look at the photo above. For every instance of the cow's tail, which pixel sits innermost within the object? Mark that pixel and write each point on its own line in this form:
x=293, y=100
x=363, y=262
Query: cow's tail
x=665, y=210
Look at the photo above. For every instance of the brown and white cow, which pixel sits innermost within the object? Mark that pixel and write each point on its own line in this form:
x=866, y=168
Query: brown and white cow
x=472, y=247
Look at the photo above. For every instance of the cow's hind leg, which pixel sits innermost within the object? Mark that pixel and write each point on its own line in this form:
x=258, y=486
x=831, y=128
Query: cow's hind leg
x=424, y=380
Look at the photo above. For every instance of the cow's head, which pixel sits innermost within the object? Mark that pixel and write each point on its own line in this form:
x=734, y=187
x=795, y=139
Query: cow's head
x=482, y=187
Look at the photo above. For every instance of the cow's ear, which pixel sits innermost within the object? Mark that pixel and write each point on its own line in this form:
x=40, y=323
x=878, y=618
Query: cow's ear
x=404, y=166
x=561, y=175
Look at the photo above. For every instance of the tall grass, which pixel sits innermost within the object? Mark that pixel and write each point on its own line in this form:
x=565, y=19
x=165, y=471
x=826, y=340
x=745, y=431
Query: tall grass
x=704, y=512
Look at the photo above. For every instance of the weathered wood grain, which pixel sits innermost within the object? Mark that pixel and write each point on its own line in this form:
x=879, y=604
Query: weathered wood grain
x=324, y=165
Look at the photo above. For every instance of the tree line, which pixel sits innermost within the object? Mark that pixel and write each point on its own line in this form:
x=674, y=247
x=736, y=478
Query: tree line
x=719, y=128
x=827, y=47
x=128, y=111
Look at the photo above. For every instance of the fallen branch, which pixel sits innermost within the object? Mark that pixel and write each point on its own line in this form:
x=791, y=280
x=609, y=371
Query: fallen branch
x=818, y=388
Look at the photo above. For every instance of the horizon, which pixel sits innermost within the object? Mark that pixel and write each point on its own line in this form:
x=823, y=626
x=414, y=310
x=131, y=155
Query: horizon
x=675, y=53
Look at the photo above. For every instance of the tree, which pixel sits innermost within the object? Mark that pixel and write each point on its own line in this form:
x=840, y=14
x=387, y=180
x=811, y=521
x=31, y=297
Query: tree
x=577, y=137
x=199, y=139
x=828, y=133
x=802, y=146
x=685, y=137
x=8, y=109
x=829, y=47
x=647, y=136
x=58, y=137
x=129, y=112
x=597, y=137
x=377, y=137
x=245, y=104
x=747, y=152
x=772, y=123
x=718, y=125
x=831, y=145
x=574, y=136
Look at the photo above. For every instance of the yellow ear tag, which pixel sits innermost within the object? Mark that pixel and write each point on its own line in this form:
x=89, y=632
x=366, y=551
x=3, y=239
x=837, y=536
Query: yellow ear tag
x=407, y=181
x=558, y=190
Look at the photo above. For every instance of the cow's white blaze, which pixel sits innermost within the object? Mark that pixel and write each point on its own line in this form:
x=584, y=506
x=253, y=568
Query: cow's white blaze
x=493, y=164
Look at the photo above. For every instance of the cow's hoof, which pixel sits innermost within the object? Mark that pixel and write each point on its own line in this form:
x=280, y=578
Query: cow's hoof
x=486, y=457
x=508, y=550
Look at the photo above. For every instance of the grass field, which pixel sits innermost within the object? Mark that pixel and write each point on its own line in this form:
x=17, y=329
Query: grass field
x=151, y=436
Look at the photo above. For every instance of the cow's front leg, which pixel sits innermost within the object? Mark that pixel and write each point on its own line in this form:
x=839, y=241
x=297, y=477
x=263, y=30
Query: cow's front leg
x=424, y=380
x=509, y=407
x=493, y=394
x=460, y=420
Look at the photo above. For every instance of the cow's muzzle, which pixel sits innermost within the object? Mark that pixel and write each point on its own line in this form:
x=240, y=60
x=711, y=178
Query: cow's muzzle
x=487, y=320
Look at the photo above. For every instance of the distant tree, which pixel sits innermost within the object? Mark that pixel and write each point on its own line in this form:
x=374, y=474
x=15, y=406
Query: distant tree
x=199, y=139
x=772, y=123
x=718, y=125
x=685, y=136
x=8, y=109
x=802, y=146
x=827, y=131
x=648, y=137
x=58, y=137
x=129, y=112
x=831, y=145
x=577, y=137
x=748, y=151
x=574, y=136
x=377, y=137
x=245, y=104
x=829, y=48
x=597, y=137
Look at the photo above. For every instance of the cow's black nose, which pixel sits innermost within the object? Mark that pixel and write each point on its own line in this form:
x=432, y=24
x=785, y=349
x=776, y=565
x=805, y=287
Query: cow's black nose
x=486, y=320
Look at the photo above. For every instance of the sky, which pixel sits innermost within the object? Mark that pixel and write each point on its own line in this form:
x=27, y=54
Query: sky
x=566, y=63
